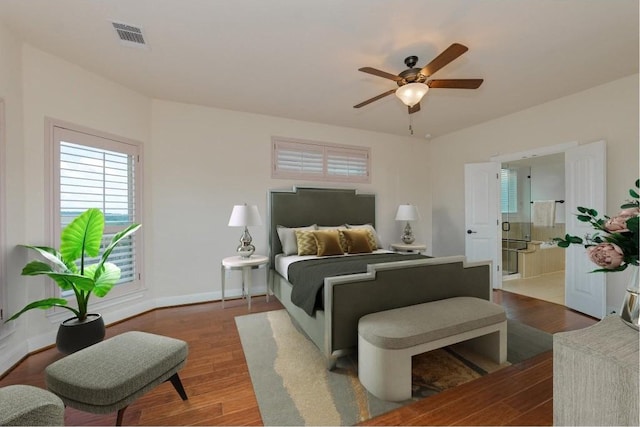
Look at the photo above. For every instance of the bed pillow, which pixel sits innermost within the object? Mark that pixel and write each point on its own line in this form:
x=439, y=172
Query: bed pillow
x=375, y=239
x=358, y=241
x=343, y=242
x=306, y=242
x=288, y=239
x=328, y=242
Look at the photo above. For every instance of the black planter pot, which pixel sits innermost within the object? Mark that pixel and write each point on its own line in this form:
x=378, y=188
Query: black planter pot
x=74, y=335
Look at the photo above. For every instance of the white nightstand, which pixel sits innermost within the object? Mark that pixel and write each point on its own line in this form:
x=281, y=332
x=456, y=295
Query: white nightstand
x=246, y=265
x=405, y=248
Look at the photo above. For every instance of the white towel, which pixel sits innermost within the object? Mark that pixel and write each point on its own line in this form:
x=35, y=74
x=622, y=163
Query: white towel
x=544, y=213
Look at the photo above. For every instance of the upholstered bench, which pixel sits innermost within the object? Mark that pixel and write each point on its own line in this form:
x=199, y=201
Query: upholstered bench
x=25, y=405
x=388, y=339
x=110, y=375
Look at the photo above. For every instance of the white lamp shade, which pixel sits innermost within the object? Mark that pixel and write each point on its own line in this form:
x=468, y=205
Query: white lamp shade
x=412, y=93
x=407, y=213
x=243, y=215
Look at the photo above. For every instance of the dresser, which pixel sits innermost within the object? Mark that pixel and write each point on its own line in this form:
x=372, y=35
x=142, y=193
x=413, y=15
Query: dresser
x=595, y=375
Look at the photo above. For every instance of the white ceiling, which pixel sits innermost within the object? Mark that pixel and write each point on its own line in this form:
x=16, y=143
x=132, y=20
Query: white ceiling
x=299, y=58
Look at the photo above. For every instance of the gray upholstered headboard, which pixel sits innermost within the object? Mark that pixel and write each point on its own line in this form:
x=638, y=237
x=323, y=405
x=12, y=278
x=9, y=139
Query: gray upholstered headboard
x=323, y=206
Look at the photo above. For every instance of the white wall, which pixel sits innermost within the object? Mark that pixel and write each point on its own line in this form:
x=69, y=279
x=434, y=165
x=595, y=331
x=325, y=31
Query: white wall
x=608, y=112
x=12, y=335
x=202, y=161
x=45, y=86
x=547, y=183
x=198, y=162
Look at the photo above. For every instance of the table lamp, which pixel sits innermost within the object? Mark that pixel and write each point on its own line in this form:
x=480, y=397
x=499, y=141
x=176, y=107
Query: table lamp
x=407, y=213
x=244, y=216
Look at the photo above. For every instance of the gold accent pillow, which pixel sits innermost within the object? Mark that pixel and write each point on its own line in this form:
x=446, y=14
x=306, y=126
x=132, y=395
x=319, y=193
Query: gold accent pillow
x=328, y=242
x=359, y=241
x=306, y=242
x=375, y=239
x=343, y=241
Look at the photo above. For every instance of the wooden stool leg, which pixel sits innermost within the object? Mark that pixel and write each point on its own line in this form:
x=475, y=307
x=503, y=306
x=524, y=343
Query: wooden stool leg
x=177, y=384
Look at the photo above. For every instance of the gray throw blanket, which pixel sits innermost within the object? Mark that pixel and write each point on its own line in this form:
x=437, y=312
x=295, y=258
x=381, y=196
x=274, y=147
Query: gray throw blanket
x=307, y=277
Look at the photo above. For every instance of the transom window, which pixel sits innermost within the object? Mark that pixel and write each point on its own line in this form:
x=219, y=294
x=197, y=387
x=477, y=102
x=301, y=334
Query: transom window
x=296, y=159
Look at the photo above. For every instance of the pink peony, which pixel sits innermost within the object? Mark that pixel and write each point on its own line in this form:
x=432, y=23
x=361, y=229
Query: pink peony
x=618, y=224
x=629, y=213
x=606, y=255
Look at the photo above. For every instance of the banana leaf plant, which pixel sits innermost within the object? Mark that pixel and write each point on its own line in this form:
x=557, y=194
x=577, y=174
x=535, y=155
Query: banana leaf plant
x=79, y=242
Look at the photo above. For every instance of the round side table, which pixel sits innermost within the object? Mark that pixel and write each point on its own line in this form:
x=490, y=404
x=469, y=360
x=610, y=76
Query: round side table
x=246, y=265
x=408, y=248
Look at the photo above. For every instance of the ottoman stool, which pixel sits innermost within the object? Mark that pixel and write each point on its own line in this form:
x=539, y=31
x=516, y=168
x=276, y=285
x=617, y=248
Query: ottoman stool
x=108, y=376
x=25, y=405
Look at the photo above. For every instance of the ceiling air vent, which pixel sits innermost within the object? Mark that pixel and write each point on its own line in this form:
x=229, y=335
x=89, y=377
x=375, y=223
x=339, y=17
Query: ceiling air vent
x=130, y=35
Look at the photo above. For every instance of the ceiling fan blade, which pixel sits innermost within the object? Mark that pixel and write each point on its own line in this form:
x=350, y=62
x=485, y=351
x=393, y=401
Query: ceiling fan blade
x=375, y=98
x=451, y=53
x=380, y=73
x=455, y=83
x=414, y=109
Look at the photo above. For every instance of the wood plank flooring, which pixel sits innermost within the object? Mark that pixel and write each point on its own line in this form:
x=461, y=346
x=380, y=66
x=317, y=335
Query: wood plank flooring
x=217, y=379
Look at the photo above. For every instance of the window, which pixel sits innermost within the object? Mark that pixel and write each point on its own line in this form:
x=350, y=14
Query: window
x=93, y=170
x=509, y=190
x=295, y=159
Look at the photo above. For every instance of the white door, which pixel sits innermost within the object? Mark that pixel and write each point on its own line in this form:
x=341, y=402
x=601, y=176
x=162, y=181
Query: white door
x=482, y=218
x=585, y=180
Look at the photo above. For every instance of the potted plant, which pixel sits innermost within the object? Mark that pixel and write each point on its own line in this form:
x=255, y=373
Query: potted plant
x=70, y=270
x=614, y=247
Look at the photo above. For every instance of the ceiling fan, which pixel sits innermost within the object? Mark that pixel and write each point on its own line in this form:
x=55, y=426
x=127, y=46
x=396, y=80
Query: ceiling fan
x=413, y=83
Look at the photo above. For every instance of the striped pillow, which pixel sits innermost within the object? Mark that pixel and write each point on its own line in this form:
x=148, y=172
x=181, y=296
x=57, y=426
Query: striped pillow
x=306, y=242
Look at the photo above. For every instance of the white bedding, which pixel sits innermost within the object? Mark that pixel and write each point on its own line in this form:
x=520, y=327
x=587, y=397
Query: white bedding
x=283, y=261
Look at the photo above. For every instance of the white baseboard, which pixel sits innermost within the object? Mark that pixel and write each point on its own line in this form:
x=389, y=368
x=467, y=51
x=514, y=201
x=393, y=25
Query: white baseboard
x=187, y=299
x=11, y=356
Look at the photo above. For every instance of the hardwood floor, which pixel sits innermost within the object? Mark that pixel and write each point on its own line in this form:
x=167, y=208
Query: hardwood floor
x=217, y=380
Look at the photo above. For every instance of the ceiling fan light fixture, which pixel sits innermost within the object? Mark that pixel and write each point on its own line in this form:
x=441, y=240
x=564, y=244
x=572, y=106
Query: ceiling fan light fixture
x=412, y=93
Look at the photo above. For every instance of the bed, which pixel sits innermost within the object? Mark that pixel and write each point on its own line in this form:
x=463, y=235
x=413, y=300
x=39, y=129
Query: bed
x=399, y=281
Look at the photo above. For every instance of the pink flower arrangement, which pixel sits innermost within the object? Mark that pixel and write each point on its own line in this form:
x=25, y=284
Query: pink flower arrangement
x=617, y=248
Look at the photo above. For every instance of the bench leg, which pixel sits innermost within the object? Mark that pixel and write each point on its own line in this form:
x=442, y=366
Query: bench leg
x=177, y=384
x=492, y=345
x=384, y=373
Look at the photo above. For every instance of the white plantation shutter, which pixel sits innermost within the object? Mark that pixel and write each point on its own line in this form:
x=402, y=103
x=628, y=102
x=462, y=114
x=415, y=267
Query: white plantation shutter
x=348, y=163
x=295, y=159
x=509, y=190
x=96, y=178
x=291, y=158
x=91, y=171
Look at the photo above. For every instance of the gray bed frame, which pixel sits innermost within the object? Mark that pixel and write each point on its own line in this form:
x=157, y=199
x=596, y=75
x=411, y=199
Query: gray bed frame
x=384, y=286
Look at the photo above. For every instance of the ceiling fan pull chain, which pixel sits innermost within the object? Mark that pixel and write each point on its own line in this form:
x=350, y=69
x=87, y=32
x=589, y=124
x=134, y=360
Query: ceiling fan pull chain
x=411, y=124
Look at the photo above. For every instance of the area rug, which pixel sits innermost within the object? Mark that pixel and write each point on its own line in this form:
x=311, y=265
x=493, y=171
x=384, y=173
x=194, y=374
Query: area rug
x=293, y=386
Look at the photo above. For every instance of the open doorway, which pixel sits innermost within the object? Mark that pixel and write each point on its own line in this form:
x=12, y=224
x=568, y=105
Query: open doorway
x=533, y=213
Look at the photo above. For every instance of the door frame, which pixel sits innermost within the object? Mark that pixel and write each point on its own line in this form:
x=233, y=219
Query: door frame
x=543, y=151
x=537, y=152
